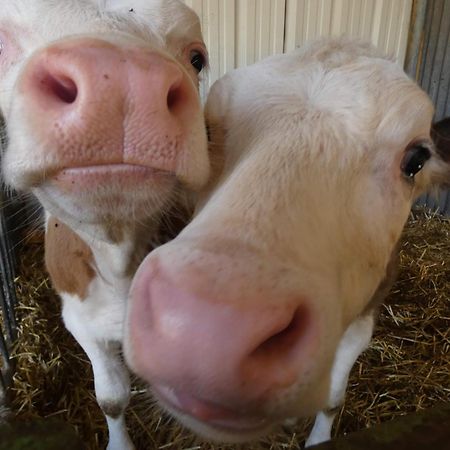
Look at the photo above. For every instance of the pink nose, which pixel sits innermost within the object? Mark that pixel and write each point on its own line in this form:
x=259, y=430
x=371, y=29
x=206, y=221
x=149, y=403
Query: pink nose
x=219, y=354
x=99, y=103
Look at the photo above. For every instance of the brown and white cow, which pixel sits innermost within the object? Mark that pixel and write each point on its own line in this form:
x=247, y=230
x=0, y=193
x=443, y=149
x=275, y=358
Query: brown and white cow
x=105, y=127
x=257, y=311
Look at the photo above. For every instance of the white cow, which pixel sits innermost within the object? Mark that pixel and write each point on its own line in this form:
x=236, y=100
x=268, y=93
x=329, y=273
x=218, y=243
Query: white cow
x=105, y=127
x=257, y=311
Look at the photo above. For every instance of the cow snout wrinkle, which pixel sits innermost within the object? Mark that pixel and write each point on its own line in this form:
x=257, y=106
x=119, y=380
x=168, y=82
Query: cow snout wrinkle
x=103, y=104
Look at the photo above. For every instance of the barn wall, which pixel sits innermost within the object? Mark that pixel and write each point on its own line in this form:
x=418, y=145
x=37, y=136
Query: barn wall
x=241, y=32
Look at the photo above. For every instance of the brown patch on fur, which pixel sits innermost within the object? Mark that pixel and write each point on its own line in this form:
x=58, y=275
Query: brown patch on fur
x=331, y=412
x=114, y=232
x=160, y=232
x=69, y=260
x=111, y=409
x=136, y=258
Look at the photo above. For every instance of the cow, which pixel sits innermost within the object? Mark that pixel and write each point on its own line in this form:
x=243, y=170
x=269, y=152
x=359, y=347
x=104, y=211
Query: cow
x=104, y=125
x=255, y=313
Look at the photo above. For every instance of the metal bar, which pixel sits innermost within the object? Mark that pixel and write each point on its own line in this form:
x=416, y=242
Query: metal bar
x=415, y=38
x=5, y=366
x=7, y=300
x=7, y=273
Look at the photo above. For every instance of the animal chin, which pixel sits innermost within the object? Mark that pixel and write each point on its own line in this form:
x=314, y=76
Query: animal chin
x=226, y=433
x=228, y=428
x=105, y=193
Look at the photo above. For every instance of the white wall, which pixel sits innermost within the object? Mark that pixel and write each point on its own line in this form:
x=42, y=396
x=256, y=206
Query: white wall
x=240, y=32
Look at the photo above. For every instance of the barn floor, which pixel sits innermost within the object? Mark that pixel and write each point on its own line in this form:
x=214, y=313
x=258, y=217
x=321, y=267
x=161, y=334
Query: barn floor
x=405, y=369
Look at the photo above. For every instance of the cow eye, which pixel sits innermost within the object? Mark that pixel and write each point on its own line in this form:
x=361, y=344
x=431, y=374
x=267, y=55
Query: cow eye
x=415, y=158
x=198, y=60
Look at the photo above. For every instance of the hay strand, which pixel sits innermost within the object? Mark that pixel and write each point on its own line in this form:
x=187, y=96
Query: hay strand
x=405, y=369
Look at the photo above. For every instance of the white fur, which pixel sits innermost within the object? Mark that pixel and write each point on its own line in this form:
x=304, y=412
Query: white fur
x=96, y=322
x=98, y=329
x=354, y=341
x=168, y=28
x=305, y=210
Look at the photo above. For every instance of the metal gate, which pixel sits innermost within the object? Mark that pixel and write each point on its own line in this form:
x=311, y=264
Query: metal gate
x=7, y=298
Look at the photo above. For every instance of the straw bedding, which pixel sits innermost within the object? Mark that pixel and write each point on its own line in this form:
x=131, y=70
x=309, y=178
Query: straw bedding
x=405, y=369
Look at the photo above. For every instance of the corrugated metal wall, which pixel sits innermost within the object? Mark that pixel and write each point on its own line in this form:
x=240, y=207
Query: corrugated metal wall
x=384, y=22
x=240, y=32
x=433, y=72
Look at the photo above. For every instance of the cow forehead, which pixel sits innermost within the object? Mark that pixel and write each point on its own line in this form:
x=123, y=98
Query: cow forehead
x=100, y=5
x=156, y=6
x=364, y=97
x=77, y=16
x=358, y=84
x=169, y=13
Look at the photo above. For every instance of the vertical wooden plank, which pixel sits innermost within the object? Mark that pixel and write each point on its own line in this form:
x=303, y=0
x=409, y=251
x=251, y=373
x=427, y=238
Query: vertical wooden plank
x=303, y=19
x=443, y=98
x=267, y=18
x=211, y=20
x=278, y=15
x=240, y=32
x=228, y=35
x=339, y=19
x=294, y=15
x=218, y=26
x=197, y=6
x=439, y=81
x=367, y=14
x=389, y=17
x=355, y=18
x=432, y=29
x=245, y=32
x=395, y=27
x=326, y=7
x=312, y=15
x=403, y=30
x=379, y=27
x=260, y=29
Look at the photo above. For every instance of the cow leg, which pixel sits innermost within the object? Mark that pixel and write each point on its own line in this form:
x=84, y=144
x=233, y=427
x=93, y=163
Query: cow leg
x=355, y=340
x=99, y=332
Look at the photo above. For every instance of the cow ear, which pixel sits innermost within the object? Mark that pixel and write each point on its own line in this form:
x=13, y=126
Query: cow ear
x=440, y=133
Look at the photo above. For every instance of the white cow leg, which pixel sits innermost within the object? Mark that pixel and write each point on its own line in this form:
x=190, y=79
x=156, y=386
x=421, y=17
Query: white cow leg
x=118, y=434
x=111, y=378
x=355, y=340
x=321, y=430
x=112, y=389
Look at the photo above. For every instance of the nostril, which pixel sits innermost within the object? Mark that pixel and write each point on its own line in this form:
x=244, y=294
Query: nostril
x=175, y=97
x=60, y=86
x=285, y=339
